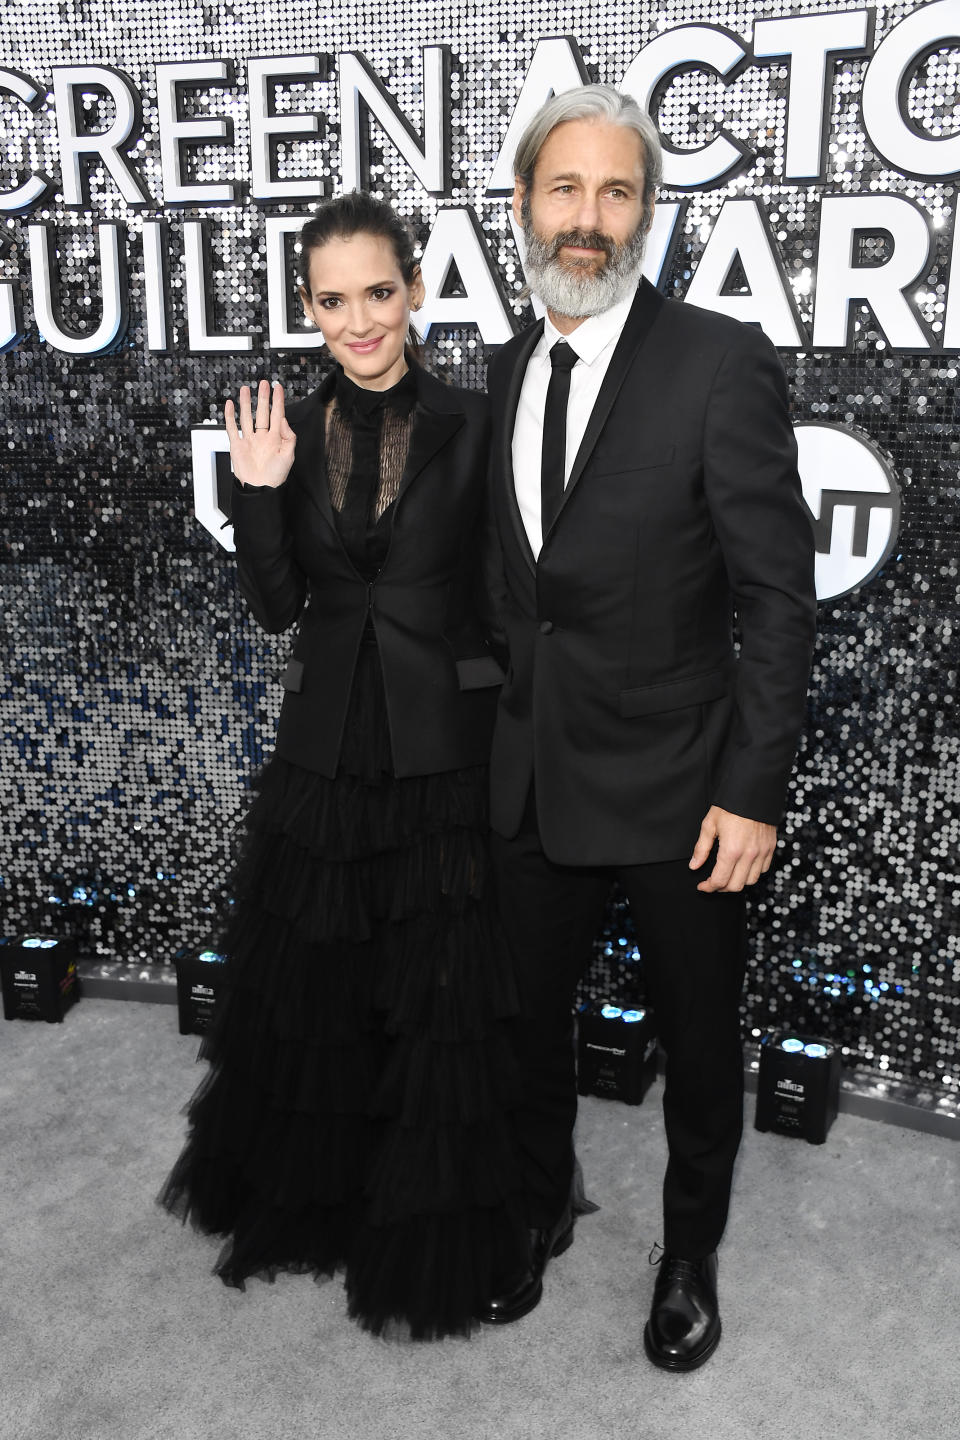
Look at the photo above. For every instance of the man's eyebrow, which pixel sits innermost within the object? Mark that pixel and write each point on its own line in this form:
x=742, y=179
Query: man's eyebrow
x=605, y=184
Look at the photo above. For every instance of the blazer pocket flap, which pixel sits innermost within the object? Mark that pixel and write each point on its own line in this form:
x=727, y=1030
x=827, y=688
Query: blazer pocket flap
x=478, y=672
x=675, y=694
x=604, y=464
x=292, y=677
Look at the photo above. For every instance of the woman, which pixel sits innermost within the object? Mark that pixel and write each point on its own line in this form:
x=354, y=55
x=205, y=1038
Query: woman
x=356, y=1112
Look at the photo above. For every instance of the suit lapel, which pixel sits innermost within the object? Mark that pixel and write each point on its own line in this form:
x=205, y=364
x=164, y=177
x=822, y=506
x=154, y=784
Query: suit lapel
x=642, y=314
x=528, y=343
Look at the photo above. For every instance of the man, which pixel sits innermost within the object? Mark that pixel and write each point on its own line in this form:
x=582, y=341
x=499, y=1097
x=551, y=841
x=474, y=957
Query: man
x=645, y=495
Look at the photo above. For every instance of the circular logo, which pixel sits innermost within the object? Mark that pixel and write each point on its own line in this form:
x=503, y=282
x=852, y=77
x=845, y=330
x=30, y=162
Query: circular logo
x=854, y=500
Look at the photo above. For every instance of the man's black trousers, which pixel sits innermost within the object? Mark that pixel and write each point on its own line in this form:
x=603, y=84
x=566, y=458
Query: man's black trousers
x=693, y=950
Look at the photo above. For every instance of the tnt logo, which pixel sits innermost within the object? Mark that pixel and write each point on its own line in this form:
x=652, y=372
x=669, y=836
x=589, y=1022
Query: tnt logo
x=854, y=500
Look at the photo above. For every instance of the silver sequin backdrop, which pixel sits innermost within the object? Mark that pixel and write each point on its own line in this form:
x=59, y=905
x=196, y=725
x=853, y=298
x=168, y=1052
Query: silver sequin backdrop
x=154, y=161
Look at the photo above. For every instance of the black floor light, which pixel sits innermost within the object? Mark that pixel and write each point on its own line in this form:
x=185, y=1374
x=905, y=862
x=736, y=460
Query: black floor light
x=38, y=974
x=799, y=1086
x=616, y=1052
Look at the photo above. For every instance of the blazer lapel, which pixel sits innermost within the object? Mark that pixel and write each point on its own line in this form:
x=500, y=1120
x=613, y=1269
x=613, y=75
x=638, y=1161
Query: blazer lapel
x=311, y=444
x=528, y=344
x=434, y=423
x=642, y=314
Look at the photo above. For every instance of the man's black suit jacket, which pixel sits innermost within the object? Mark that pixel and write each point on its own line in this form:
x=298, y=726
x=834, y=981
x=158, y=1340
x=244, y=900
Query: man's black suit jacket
x=626, y=698
x=439, y=676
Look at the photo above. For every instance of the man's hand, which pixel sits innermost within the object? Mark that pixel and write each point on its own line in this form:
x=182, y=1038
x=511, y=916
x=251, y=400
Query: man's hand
x=744, y=853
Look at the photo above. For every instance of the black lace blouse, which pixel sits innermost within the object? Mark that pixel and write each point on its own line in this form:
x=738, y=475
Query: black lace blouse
x=367, y=443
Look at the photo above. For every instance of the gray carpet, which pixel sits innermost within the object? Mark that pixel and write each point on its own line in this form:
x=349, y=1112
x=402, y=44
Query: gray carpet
x=840, y=1285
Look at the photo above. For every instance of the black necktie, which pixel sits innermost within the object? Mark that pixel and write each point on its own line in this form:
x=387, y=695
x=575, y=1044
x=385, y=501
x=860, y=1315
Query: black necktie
x=553, y=461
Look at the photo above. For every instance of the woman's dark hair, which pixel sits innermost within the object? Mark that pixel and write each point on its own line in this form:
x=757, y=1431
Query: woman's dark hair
x=359, y=214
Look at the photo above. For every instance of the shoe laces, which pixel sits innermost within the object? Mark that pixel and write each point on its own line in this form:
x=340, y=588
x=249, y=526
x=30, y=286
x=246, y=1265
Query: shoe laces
x=673, y=1264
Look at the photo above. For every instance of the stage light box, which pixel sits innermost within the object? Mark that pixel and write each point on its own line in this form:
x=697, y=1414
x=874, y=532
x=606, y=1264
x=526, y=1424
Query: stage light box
x=616, y=1052
x=198, y=976
x=799, y=1086
x=39, y=978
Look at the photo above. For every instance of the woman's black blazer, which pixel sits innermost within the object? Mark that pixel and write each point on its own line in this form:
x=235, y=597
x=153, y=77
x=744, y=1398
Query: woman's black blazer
x=439, y=677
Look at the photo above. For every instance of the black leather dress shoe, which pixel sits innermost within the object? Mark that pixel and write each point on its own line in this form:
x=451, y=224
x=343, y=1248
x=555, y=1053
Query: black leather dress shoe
x=684, y=1326
x=525, y=1295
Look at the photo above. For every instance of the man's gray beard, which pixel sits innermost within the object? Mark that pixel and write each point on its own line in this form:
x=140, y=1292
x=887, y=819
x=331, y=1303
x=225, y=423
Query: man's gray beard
x=581, y=291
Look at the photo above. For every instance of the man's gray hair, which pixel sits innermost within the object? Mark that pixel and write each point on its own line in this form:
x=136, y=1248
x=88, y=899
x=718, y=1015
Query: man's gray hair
x=593, y=102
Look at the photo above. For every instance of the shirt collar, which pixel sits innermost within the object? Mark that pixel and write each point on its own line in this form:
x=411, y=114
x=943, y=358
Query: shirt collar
x=591, y=338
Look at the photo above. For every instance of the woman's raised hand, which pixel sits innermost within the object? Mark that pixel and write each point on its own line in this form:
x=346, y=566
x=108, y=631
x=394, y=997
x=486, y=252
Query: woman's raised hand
x=261, y=450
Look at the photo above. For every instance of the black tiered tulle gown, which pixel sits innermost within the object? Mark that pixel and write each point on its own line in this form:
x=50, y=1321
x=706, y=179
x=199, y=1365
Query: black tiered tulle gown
x=356, y=1115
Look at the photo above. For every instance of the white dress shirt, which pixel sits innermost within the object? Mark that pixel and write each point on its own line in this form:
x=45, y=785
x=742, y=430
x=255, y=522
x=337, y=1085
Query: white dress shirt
x=594, y=342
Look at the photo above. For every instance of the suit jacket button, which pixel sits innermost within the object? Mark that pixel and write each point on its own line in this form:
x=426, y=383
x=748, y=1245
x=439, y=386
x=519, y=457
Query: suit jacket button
x=546, y=627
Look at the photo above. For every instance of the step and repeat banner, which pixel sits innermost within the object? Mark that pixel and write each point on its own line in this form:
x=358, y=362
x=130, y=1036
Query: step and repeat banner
x=156, y=160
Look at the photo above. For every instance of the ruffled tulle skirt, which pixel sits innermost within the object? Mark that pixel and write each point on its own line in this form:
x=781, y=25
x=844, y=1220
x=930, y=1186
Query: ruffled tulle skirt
x=356, y=1114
